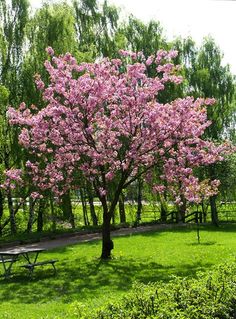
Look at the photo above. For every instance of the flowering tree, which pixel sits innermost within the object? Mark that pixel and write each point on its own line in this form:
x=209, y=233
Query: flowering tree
x=103, y=121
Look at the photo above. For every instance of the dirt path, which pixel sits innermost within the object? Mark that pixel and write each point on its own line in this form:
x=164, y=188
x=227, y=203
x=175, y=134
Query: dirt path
x=78, y=237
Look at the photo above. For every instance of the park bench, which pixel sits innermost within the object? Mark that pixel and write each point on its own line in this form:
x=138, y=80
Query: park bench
x=31, y=266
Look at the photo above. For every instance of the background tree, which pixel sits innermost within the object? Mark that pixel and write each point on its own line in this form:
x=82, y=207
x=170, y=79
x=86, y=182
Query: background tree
x=207, y=77
x=14, y=17
x=213, y=79
x=96, y=28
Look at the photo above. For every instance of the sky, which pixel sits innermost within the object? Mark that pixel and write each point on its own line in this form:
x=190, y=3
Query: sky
x=196, y=18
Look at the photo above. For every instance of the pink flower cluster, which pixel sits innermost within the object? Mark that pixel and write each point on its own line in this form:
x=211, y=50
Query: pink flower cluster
x=104, y=121
x=13, y=178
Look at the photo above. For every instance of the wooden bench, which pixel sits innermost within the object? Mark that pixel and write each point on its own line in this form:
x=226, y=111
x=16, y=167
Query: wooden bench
x=31, y=266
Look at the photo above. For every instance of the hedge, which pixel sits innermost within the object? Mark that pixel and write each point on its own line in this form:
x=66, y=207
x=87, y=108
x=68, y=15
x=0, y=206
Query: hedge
x=209, y=295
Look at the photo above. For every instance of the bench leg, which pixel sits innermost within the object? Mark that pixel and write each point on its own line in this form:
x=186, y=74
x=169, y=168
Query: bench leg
x=31, y=270
x=54, y=268
x=7, y=270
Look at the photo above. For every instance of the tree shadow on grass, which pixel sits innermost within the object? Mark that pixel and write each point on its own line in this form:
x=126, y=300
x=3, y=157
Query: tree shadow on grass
x=85, y=279
x=208, y=243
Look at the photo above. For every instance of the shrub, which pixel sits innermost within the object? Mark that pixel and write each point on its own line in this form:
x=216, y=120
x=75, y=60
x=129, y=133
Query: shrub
x=208, y=296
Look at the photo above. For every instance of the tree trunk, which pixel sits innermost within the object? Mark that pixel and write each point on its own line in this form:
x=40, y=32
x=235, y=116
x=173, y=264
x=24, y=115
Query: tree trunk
x=214, y=212
x=12, y=213
x=182, y=210
x=92, y=208
x=163, y=213
x=31, y=215
x=139, y=201
x=163, y=208
x=67, y=209
x=40, y=215
x=122, y=208
x=1, y=210
x=107, y=243
x=54, y=226
x=84, y=207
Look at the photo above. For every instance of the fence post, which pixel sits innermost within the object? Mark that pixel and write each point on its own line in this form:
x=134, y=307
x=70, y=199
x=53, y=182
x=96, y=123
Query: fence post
x=196, y=217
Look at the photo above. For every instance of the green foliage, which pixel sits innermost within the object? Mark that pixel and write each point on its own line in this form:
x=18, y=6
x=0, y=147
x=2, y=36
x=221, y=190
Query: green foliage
x=208, y=296
x=144, y=37
x=96, y=27
x=226, y=173
x=14, y=17
x=4, y=96
x=207, y=77
x=52, y=25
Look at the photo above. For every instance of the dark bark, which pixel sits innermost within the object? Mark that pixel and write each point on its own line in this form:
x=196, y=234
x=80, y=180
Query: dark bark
x=204, y=212
x=84, y=207
x=40, y=215
x=67, y=209
x=182, y=210
x=15, y=211
x=139, y=201
x=92, y=208
x=54, y=226
x=214, y=212
x=164, y=211
x=200, y=215
x=107, y=243
x=31, y=215
x=122, y=208
x=12, y=213
x=66, y=205
x=72, y=220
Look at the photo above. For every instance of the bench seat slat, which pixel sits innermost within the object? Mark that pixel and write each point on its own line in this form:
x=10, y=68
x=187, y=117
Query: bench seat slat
x=40, y=263
x=7, y=260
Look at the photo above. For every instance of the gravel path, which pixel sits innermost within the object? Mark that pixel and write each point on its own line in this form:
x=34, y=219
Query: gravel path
x=75, y=238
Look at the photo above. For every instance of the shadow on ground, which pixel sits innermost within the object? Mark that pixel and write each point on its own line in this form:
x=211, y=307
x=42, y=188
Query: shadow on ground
x=87, y=279
x=82, y=278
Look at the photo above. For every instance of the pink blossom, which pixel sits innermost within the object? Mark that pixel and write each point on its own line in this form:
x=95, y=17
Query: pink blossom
x=102, y=120
x=210, y=101
x=14, y=174
x=36, y=195
x=158, y=188
x=22, y=106
x=150, y=60
x=172, y=54
x=50, y=51
x=102, y=192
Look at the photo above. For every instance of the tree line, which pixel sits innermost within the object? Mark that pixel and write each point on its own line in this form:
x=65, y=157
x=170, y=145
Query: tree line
x=90, y=31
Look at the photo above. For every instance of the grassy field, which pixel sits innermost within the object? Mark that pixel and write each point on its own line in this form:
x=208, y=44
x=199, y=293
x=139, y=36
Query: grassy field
x=83, y=278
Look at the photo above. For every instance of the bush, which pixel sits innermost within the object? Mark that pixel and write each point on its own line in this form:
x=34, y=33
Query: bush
x=208, y=296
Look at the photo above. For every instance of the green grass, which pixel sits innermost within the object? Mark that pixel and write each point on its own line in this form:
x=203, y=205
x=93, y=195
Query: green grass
x=82, y=277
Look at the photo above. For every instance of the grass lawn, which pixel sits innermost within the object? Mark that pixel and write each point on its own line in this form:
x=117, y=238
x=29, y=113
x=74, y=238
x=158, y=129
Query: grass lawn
x=83, y=277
